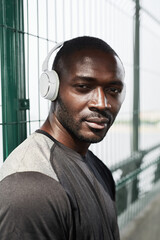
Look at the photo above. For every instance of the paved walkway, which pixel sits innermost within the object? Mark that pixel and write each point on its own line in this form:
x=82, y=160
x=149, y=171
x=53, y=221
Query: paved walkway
x=147, y=225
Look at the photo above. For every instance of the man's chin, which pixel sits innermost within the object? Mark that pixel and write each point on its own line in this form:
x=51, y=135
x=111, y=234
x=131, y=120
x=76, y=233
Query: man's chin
x=94, y=138
x=97, y=135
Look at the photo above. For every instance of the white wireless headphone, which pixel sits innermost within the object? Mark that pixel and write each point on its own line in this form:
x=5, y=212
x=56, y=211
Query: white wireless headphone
x=49, y=80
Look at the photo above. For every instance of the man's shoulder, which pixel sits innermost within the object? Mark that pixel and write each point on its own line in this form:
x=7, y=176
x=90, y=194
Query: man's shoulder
x=33, y=204
x=31, y=155
x=30, y=185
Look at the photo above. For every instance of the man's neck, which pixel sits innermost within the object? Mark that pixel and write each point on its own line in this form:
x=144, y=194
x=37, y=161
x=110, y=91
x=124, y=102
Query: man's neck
x=57, y=131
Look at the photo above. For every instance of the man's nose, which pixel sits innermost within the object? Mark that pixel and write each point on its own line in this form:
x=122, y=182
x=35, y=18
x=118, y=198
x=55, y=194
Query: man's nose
x=99, y=100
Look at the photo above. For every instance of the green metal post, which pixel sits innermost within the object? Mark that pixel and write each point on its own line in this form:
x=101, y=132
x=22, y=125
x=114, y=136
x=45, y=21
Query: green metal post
x=133, y=190
x=12, y=74
x=136, y=90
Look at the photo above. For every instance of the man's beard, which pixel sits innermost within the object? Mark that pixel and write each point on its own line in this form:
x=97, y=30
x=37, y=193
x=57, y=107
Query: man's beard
x=73, y=127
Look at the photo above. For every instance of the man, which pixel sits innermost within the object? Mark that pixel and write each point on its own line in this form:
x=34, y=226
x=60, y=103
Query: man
x=52, y=186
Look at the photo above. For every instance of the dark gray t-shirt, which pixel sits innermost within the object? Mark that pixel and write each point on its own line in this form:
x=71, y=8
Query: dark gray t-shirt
x=50, y=192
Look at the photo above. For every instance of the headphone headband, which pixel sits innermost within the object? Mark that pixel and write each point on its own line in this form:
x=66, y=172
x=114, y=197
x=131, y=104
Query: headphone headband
x=45, y=63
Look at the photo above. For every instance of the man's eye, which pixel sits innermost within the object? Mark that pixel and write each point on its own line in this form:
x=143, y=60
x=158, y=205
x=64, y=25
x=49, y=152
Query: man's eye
x=113, y=90
x=83, y=86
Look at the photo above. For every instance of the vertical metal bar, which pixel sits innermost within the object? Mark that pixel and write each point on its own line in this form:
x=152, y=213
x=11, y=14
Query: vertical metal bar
x=132, y=191
x=78, y=18
x=84, y=17
x=47, y=23
x=12, y=76
x=55, y=12
x=20, y=72
x=29, y=117
x=3, y=70
x=71, y=19
x=136, y=88
x=63, y=7
x=39, y=109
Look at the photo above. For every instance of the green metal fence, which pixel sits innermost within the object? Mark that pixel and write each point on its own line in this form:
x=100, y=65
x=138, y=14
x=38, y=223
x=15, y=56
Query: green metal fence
x=136, y=188
x=12, y=75
x=30, y=28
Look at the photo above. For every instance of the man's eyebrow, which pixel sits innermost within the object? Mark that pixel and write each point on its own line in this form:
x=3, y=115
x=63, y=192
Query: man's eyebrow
x=92, y=79
x=85, y=78
x=117, y=82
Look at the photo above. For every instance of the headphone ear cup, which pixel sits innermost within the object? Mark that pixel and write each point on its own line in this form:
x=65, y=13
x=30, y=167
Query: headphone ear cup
x=49, y=85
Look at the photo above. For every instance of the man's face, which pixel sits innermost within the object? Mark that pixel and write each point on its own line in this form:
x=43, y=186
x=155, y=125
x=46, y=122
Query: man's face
x=91, y=93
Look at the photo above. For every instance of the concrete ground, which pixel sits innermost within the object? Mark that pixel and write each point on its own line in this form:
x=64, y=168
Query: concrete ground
x=147, y=225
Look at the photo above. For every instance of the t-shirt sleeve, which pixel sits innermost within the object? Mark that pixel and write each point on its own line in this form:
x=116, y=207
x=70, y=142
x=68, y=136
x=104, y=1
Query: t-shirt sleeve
x=34, y=206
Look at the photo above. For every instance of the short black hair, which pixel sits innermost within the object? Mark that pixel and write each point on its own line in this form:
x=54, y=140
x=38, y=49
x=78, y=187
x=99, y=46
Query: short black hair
x=76, y=44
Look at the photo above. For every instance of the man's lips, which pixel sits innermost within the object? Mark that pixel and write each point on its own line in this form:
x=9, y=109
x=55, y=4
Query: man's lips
x=97, y=123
